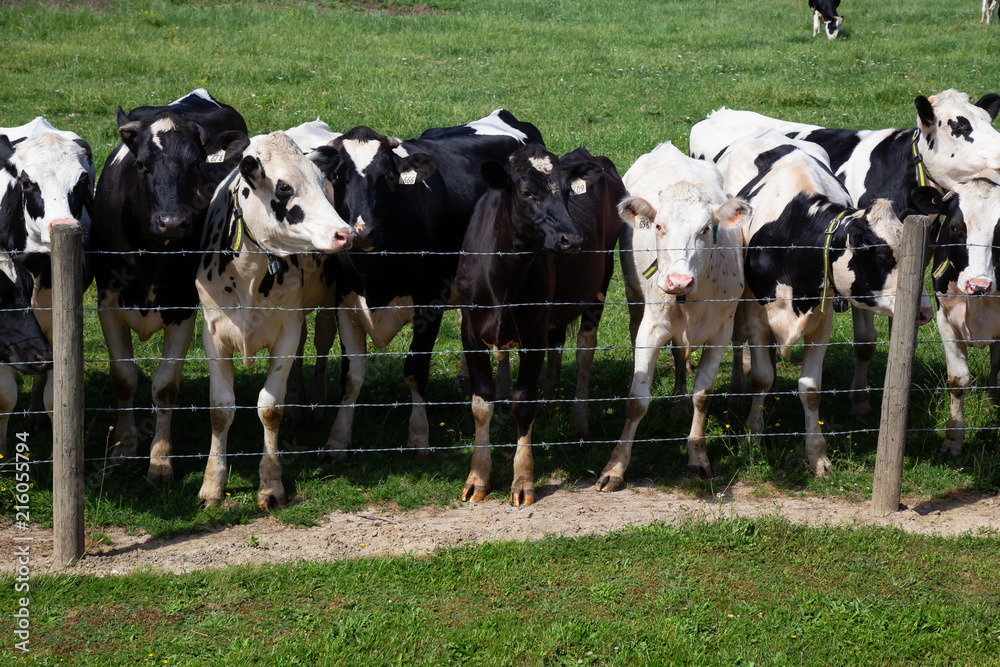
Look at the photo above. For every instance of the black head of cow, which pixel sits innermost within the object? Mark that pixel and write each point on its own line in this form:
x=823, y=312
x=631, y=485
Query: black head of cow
x=178, y=167
x=537, y=191
x=366, y=169
x=22, y=343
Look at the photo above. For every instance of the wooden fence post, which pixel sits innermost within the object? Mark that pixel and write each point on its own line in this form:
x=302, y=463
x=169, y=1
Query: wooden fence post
x=899, y=368
x=67, y=399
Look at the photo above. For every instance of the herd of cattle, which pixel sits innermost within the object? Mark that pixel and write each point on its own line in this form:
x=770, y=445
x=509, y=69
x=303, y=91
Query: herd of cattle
x=758, y=236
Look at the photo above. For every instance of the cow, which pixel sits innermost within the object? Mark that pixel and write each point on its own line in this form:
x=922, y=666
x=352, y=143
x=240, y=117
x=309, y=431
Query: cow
x=262, y=271
x=966, y=267
x=513, y=292
x=403, y=199
x=953, y=141
x=989, y=9
x=825, y=17
x=806, y=243
x=23, y=344
x=47, y=178
x=682, y=261
x=149, y=213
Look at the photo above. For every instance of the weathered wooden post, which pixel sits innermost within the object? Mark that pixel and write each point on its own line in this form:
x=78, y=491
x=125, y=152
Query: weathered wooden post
x=67, y=399
x=899, y=368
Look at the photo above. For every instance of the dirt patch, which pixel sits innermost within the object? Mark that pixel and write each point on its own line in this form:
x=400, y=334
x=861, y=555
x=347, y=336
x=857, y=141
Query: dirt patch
x=562, y=511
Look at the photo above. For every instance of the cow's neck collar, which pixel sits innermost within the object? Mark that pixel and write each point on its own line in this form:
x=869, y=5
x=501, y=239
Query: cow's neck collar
x=923, y=176
x=243, y=232
x=830, y=230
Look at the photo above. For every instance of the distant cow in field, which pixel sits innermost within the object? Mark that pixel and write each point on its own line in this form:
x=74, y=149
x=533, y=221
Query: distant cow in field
x=953, y=141
x=514, y=291
x=965, y=273
x=266, y=228
x=806, y=244
x=825, y=17
x=149, y=213
x=989, y=9
x=682, y=260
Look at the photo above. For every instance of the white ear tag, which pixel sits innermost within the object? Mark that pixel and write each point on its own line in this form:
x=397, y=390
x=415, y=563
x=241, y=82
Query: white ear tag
x=216, y=158
x=579, y=186
x=641, y=223
x=408, y=177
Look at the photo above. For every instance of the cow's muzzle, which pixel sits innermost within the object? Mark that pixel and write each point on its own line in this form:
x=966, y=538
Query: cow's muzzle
x=979, y=286
x=171, y=226
x=678, y=284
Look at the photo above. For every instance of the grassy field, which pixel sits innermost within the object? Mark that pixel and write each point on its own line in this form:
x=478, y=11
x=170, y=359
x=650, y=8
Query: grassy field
x=616, y=77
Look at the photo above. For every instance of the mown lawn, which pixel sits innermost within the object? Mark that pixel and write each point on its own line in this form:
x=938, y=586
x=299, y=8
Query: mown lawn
x=616, y=77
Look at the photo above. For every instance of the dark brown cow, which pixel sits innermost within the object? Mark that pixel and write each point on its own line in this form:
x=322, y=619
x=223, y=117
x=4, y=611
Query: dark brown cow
x=523, y=279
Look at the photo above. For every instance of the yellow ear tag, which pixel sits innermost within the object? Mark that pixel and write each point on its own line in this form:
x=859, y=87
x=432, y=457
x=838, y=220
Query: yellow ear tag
x=579, y=186
x=216, y=158
x=408, y=177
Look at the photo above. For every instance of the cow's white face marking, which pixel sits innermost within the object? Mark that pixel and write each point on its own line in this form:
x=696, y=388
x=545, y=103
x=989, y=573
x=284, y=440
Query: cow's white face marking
x=161, y=126
x=362, y=153
x=542, y=164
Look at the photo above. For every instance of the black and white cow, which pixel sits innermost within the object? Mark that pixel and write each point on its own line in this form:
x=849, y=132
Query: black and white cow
x=965, y=274
x=267, y=226
x=806, y=244
x=953, y=141
x=403, y=198
x=507, y=278
x=682, y=261
x=23, y=344
x=825, y=17
x=149, y=213
x=47, y=178
x=989, y=9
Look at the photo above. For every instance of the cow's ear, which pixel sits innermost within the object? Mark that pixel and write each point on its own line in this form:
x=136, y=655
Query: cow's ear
x=495, y=174
x=251, y=169
x=6, y=150
x=86, y=148
x=587, y=171
x=327, y=158
x=991, y=103
x=13, y=234
x=637, y=212
x=415, y=168
x=227, y=147
x=926, y=200
x=129, y=129
x=732, y=213
x=925, y=113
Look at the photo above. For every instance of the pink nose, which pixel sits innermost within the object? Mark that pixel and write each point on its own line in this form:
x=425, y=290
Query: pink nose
x=978, y=286
x=343, y=239
x=678, y=284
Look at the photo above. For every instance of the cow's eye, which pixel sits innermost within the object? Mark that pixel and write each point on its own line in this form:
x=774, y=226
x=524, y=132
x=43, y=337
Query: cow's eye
x=954, y=229
x=141, y=168
x=28, y=186
x=706, y=230
x=283, y=189
x=526, y=194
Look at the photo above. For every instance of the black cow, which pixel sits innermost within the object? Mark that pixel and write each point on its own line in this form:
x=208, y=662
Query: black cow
x=403, y=198
x=531, y=212
x=825, y=16
x=23, y=344
x=149, y=212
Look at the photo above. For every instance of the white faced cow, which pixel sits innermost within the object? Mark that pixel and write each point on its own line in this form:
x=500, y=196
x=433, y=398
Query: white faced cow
x=825, y=17
x=953, y=141
x=260, y=275
x=965, y=273
x=149, y=212
x=681, y=255
x=806, y=243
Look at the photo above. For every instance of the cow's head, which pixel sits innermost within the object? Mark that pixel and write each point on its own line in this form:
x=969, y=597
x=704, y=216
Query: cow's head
x=536, y=192
x=179, y=166
x=284, y=199
x=684, y=221
x=866, y=273
x=969, y=234
x=365, y=168
x=24, y=347
x=957, y=139
x=49, y=181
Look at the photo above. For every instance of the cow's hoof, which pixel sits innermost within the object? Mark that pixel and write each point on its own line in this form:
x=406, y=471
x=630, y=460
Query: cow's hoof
x=269, y=499
x=700, y=472
x=821, y=466
x=209, y=500
x=474, y=493
x=522, y=497
x=951, y=448
x=331, y=456
x=608, y=482
x=418, y=452
x=162, y=473
x=861, y=409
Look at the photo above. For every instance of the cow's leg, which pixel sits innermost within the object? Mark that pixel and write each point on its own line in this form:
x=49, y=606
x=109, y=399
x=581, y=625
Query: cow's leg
x=324, y=333
x=762, y=374
x=681, y=357
x=503, y=381
x=477, y=484
x=865, y=339
x=994, y=381
x=166, y=386
x=586, y=347
x=553, y=363
x=817, y=23
x=295, y=391
x=741, y=356
x=957, y=363
x=353, y=343
x=223, y=410
x=524, y=409
x=124, y=378
x=41, y=386
x=704, y=383
x=810, y=383
x=649, y=339
x=417, y=370
x=8, y=401
x=269, y=409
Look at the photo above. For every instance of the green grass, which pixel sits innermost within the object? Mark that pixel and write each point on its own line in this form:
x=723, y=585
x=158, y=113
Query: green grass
x=728, y=592
x=616, y=77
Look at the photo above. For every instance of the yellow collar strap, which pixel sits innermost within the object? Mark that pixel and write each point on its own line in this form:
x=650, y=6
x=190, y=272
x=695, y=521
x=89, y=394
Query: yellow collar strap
x=834, y=225
x=242, y=230
x=923, y=178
